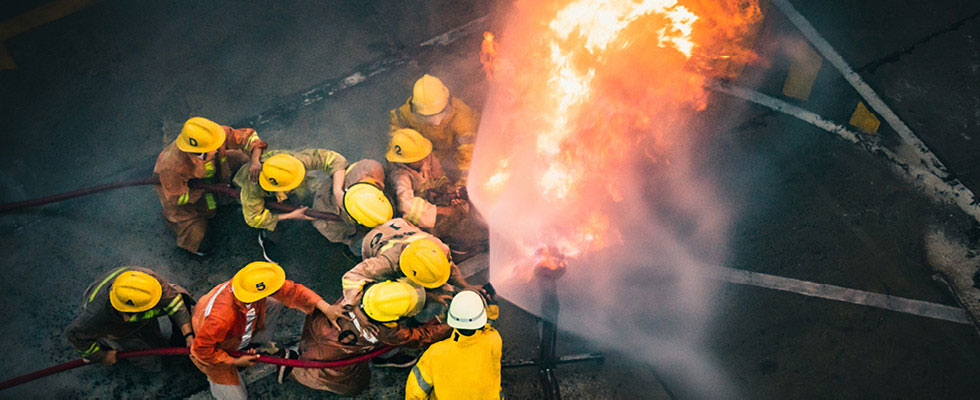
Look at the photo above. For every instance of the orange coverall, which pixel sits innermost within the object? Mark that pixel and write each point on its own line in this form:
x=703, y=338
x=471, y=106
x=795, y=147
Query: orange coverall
x=187, y=210
x=220, y=321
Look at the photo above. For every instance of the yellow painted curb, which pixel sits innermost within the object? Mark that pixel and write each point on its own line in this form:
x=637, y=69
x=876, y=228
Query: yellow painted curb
x=32, y=19
x=5, y=61
x=864, y=119
x=802, y=72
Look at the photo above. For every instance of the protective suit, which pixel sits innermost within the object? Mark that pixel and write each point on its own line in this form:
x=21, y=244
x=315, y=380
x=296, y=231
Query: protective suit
x=460, y=367
x=346, y=230
x=187, y=210
x=382, y=248
x=99, y=327
x=321, y=341
x=416, y=190
x=423, y=198
x=253, y=197
x=222, y=323
x=452, y=140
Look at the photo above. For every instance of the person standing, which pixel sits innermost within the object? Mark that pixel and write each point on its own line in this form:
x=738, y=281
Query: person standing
x=442, y=119
x=467, y=364
x=232, y=316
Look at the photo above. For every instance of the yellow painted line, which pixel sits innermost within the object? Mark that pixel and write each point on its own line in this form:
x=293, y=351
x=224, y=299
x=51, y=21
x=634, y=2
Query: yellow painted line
x=802, y=73
x=32, y=19
x=864, y=119
x=39, y=16
x=5, y=61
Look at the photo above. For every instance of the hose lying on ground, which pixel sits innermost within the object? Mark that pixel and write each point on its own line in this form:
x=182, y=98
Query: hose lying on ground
x=173, y=351
x=153, y=180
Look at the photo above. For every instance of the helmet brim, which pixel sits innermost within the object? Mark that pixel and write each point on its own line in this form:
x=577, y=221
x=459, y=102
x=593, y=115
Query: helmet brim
x=477, y=323
x=394, y=157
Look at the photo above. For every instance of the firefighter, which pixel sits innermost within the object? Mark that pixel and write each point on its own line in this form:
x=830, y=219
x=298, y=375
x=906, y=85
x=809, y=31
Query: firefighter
x=386, y=307
x=416, y=178
x=208, y=151
x=120, y=312
x=363, y=182
x=232, y=316
x=426, y=198
x=283, y=177
x=467, y=364
x=399, y=249
x=444, y=120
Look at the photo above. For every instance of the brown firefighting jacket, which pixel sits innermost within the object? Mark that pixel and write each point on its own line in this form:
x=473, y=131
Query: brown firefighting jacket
x=99, y=320
x=346, y=230
x=186, y=210
x=381, y=249
x=321, y=341
x=412, y=190
x=453, y=139
x=222, y=323
x=253, y=196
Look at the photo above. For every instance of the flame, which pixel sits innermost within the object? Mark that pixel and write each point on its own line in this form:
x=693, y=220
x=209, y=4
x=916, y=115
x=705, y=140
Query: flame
x=488, y=55
x=582, y=91
x=497, y=181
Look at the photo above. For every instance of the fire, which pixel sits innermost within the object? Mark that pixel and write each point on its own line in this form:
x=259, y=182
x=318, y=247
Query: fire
x=488, y=55
x=496, y=182
x=582, y=90
x=678, y=32
x=600, y=22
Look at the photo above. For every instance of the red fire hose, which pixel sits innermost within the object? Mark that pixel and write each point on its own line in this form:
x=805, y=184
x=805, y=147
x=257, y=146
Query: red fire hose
x=153, y=180
x=173, y=351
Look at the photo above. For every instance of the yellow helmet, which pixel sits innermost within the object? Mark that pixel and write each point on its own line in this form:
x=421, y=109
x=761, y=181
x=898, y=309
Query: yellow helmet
x=367, y=204
x=429, y=96
x=281, y=173
x=257, y=280
x=200, y=135
x=390, y=300
x=407, y=146
x=424, y=262
x=135, y=291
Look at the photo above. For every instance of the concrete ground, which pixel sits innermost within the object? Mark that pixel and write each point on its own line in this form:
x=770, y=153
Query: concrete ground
x=97, y=93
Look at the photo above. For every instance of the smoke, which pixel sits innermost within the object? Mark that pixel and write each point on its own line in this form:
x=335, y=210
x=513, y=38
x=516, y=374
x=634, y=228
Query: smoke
x=590, y=149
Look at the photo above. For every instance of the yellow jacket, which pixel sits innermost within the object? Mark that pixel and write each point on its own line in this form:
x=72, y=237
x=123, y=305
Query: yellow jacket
x=453, y=139
x=461, y=367
x=253, y=196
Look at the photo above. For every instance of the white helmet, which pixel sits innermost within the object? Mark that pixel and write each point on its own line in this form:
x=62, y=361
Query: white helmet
x=467, y=311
